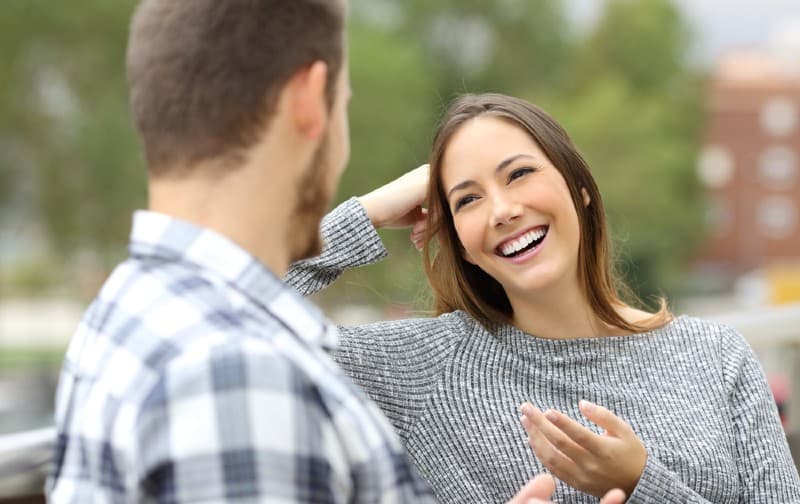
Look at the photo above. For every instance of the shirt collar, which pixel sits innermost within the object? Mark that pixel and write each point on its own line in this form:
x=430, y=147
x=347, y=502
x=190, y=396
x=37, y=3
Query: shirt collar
x=158, y=236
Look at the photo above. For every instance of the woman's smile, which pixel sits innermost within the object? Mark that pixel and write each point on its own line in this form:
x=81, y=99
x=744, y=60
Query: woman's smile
x=521, y=247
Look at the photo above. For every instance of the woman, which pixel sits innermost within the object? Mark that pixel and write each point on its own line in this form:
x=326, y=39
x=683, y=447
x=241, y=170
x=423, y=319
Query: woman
x=516, y=251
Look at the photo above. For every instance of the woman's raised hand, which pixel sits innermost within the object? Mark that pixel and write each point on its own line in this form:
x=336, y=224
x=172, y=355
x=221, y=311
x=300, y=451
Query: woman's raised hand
x=398, y=204
x=587, y=461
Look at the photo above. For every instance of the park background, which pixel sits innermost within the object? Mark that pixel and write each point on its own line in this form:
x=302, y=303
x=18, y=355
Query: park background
x=631, y=80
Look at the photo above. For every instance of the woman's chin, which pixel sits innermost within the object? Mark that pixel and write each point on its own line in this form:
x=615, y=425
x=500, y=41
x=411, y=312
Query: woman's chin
x=536, y=282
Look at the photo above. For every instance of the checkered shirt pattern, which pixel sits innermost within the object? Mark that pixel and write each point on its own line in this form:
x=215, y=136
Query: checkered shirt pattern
x=196, y=375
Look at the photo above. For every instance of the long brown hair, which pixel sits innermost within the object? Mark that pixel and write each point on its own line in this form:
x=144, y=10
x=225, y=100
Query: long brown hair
x=460, y=285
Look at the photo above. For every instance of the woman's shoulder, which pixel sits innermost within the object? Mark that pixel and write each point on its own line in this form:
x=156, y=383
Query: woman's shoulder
x=420, y=330
x=705, y=331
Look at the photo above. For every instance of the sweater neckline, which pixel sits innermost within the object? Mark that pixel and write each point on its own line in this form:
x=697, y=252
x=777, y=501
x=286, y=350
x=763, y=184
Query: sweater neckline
x=521, y=340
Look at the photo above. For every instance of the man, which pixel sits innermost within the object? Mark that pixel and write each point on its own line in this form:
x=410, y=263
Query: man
x=196, y=374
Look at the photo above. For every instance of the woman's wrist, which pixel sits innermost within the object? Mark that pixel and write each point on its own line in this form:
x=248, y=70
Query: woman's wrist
x=371, y=208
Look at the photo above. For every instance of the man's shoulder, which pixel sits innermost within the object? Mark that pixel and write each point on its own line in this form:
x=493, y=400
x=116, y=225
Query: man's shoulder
x=151, y=322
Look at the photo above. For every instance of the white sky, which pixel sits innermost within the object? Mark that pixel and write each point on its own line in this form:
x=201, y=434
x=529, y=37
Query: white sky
x=719, y=24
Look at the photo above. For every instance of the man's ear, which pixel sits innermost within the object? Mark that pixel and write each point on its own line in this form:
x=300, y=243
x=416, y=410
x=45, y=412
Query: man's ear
x=586, y=198
x=308, y=101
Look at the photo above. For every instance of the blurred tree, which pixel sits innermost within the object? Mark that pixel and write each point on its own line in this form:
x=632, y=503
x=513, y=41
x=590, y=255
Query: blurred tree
x=632, y=106
x=644, y=42
x=63, y=112
x=69, y=156
x=408, y=60
x=390, y=124
x=509, y=46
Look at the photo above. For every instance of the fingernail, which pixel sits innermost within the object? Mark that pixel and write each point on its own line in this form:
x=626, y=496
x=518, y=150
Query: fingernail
x=586, y=406
x=526, y=409
x=551, y=415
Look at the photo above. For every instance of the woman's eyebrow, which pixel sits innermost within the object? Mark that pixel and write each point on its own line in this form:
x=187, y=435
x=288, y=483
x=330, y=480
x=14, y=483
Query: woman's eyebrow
x=500, y=167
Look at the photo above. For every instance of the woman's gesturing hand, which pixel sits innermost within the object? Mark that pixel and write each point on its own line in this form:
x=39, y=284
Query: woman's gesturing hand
x=398, y=204
x=539, y=490
x=587, y=461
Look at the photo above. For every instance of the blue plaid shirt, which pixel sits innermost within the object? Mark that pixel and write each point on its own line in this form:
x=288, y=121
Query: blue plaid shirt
x=197, y=375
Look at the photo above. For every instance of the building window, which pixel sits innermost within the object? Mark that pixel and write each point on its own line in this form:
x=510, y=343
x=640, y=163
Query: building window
x=777, y=167
x=715, y=166
x=777, y=217
x=779, y=116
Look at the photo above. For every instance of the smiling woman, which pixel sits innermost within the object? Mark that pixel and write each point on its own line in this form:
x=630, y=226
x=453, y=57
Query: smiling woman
x=670, y=409
x=477, y=211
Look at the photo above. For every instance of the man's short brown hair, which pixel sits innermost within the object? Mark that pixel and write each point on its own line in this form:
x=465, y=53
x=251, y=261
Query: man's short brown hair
x=205, y=75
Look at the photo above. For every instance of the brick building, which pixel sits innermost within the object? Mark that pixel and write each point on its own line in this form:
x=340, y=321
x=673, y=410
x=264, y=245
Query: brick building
x=750, y=165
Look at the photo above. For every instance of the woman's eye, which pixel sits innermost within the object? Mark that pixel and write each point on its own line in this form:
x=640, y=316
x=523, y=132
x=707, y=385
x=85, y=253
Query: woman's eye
x=519, y=172
x=466, y=200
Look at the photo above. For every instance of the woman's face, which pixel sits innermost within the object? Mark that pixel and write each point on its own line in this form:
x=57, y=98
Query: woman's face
x=511, y=207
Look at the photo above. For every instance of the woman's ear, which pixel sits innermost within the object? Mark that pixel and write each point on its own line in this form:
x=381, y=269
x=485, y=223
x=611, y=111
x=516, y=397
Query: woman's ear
x=586, y=198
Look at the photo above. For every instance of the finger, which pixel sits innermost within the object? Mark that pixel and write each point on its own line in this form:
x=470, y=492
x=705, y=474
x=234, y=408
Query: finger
x=613, y=425
x=414, y=216
x=526, y=424
x=582, y=436
x=540, y=489
x=615, y=496
x=554, y=460
x=419, y=226
x=418, y=235
x=535, y=419
x=546, y=423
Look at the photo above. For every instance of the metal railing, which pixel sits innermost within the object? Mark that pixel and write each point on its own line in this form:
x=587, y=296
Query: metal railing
x=24, y=461
x=25, y=457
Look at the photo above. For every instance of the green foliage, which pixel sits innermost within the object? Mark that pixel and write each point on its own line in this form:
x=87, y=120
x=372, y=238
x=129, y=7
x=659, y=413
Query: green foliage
x=391, y=114
x=633, y=109
x=391, y=110
x=623, y=91
x=30, y=278
x=644, y=42
x=63, y=109
x=44, y=358
x=509, y=46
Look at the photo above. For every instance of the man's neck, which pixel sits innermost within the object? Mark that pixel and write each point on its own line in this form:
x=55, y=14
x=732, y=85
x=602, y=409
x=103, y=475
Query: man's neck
x=233, y=206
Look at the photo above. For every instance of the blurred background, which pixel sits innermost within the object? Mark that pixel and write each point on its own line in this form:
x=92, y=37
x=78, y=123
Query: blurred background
x=688, y=112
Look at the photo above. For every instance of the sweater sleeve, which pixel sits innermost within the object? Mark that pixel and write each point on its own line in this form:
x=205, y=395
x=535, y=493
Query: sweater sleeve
x=350, y=241
x=766, y=470
x=398, y=363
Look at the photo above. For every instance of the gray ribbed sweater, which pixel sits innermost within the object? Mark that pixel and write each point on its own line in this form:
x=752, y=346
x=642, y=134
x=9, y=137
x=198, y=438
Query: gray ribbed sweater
x=693, y=391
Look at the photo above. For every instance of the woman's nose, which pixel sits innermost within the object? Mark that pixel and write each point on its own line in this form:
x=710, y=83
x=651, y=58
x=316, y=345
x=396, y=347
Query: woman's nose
x=504, y=211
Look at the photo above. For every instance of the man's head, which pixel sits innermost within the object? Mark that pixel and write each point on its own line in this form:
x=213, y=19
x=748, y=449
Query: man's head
x=209, y=79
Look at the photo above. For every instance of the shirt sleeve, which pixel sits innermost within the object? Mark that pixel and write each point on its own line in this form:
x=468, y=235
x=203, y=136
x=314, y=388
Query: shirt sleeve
x=238, y=426
x=766, y=470
x=350, y=241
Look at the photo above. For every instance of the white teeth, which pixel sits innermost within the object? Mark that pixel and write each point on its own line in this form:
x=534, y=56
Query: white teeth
x=523, y=241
